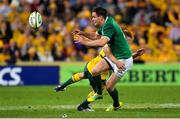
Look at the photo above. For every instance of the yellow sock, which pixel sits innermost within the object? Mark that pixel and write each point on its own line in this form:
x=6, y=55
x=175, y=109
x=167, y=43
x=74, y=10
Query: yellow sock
x=76, y=77
x=90, y=94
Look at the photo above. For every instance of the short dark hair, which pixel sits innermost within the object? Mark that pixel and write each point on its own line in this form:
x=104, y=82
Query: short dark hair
x=100, y=11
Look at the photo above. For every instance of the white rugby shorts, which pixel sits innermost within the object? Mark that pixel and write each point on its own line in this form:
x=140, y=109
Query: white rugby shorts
x=128, y=64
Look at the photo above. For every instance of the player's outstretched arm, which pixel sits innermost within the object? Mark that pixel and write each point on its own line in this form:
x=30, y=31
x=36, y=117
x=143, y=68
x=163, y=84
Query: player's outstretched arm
x=89, y=35
x=138, y=53
x=91, y=43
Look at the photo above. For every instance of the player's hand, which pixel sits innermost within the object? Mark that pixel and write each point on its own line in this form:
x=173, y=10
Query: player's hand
x=120, y=65
x=77, y=32
x=140, y=51
x=78, y=38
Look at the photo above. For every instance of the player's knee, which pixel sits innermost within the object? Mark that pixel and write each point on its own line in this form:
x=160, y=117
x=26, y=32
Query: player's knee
x=95, y=72
x=108, y=88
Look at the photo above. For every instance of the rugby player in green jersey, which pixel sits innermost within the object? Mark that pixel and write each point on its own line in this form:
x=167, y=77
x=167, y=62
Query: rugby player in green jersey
x=84, y=106
x=112, y=35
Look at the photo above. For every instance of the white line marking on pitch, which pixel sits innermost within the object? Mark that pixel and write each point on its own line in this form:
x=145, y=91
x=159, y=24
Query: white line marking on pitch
x=126, y=106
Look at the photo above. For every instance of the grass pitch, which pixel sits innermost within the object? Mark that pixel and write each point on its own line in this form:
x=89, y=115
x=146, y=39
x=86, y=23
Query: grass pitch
x=42, y=102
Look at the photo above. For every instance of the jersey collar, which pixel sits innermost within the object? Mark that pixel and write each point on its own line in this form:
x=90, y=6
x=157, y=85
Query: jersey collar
x=105, y=21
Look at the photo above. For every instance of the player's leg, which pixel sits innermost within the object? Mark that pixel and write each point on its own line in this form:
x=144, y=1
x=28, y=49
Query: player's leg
x=93, y=91
x=84, y=106
x=92, y=66
x=75, y=78
x=100, y=87
x=113, y=92
x=113, y=79
x=100, y=70
x=101, y=66
x=100, y=82
x=95, y=82
x=97, y=85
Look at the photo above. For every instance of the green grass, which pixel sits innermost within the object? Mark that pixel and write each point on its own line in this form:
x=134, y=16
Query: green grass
x=42, y=101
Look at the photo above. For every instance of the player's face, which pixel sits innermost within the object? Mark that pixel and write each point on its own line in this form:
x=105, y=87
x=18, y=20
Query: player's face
x=96, y=19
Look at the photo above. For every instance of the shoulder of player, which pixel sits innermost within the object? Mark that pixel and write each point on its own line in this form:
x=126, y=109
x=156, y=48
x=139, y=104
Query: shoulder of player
x=110, y=22
x=108, y=25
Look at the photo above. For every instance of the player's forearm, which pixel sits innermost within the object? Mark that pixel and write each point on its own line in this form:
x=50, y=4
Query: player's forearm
x=138, y=53
x=120, y=65
x=134, y=55
x=93, y=43
x=109, y=55
x=112, y=58
x=91, y=35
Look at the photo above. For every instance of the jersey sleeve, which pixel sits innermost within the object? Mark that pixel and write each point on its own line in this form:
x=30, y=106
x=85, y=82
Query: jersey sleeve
x=108, y=31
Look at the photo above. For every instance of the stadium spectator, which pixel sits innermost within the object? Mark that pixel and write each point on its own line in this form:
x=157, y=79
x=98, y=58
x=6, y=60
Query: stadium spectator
x=156, y=24
x=5, y=8
x=175, y=34
x=6, y=32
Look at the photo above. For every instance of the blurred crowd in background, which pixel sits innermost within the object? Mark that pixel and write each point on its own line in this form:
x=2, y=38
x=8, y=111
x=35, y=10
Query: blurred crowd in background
x=154, y=23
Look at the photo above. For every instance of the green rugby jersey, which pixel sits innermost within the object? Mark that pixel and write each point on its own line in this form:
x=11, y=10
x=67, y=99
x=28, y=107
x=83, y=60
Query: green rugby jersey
x=117, y=40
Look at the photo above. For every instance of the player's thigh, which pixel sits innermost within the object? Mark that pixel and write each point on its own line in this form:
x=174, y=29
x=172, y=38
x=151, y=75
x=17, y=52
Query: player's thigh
x=101, y=66
x=111, y=82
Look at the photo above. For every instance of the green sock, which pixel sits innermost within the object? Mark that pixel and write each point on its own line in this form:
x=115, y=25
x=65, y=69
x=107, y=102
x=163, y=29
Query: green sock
x=68, y=82
x=114, y=95
x=98, y=83
x=95, y=82
x=84, y=104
